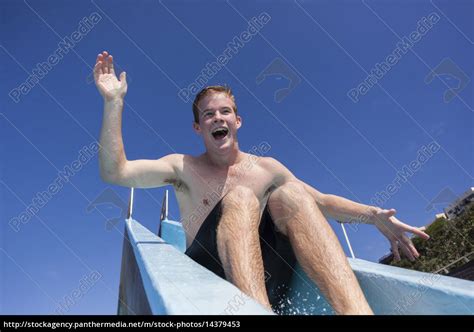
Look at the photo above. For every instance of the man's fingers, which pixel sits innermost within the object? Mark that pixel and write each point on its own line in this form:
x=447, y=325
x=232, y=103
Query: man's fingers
x=410, y=246
x=100, y=64
x=395, y=252
x=123, y=77
x=97, y=70
x=407, y=251
x=111, y=65
x=105, y=66
x=419, y=232
x=390, y=212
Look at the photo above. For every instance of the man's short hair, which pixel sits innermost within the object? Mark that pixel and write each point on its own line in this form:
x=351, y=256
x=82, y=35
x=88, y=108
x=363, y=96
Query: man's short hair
x=207, y=91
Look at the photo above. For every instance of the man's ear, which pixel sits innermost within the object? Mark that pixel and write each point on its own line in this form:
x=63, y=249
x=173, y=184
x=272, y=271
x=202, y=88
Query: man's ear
x=239, y=121
x=197, y=128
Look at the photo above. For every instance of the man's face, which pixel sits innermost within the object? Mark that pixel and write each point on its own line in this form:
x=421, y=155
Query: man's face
x=218, y=124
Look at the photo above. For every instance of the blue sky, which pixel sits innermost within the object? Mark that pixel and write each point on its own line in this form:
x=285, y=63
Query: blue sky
x=347, y=148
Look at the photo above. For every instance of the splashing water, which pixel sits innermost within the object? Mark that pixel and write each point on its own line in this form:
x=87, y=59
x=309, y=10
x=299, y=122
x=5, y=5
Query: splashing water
x=300, y=304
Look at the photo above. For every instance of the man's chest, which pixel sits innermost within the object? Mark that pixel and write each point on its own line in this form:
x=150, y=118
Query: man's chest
x=204, y=183
x=205, y=188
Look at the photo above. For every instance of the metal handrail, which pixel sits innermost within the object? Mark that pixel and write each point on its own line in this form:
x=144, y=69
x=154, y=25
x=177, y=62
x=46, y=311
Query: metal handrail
x=130, y=204
x=347, y=240
x=164, y=207
x=164, y=212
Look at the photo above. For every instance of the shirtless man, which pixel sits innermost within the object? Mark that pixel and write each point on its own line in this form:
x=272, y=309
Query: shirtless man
x=252, y=215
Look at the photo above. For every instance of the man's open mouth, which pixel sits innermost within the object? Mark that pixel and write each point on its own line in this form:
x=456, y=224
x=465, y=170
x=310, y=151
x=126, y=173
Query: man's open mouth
x=220, y=133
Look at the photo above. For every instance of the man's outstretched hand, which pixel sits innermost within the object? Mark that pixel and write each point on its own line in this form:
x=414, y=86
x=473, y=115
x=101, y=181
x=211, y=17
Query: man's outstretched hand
x=105, y=79
x=394, y=230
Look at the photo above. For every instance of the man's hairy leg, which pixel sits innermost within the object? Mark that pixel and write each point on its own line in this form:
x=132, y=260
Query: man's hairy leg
x=317, y=248
x=238, y=243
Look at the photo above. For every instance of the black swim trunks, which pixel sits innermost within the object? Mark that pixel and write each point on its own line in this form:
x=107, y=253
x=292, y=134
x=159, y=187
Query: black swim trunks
x=278, y=256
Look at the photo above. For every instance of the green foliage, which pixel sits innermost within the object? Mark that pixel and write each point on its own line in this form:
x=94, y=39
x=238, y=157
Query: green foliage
x=449, y=241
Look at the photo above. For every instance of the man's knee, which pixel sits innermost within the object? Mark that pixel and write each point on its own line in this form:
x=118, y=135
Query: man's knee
x=240, y=211
x=289, y=196
x=241, y=199
x=287, y=201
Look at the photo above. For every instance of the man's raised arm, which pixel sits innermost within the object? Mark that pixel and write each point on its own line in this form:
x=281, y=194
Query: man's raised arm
x=113, y=163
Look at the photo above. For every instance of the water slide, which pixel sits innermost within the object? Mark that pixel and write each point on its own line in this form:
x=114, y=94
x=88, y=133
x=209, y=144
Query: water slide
x=157, y=278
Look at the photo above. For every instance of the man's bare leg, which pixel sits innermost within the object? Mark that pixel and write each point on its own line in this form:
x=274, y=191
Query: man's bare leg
x=238, y=243
x=317, y=248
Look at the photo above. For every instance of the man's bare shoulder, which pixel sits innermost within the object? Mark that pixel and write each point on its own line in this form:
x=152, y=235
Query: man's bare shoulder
x=173, y=159
x=178, y=159
x=181, y=161
x=173, y=156
x=185, y=166
x=269, y=163
x=279, y=171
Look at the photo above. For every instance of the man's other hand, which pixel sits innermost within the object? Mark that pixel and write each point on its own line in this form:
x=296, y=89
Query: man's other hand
x=394, y=230
x=105, y=79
